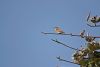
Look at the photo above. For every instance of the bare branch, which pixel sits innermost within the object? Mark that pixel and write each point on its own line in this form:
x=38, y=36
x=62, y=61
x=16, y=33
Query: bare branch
x=57, y=33
x=60, y=59
x=72, y=35
x=64, y=44
x=62, y=34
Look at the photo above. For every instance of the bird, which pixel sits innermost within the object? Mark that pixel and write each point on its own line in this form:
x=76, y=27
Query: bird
x=58, y=30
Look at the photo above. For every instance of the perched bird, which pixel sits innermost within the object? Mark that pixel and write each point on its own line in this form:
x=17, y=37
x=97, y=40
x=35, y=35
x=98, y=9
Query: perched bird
x=59, y=30
x=82, y=33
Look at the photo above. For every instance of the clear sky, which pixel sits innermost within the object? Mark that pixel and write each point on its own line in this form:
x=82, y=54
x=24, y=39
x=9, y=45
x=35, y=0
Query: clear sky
x=21, y=24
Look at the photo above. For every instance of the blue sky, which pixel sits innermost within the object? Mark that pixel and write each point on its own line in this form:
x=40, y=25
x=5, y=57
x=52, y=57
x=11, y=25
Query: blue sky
x=21, y=24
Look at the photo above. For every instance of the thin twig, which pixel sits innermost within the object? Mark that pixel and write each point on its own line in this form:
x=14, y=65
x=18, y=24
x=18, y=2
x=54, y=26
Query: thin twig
x=60, y=59
x=71, y=35
x=64, y=44
x=62, y=34
x=57, y=33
